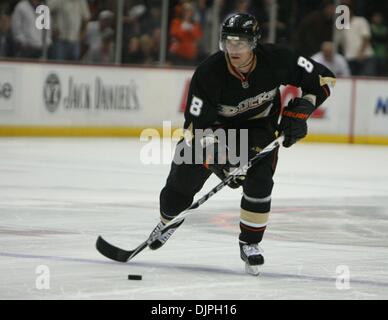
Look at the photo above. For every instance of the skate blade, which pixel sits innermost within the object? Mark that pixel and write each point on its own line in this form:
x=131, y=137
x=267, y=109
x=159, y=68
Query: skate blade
x=252, y=270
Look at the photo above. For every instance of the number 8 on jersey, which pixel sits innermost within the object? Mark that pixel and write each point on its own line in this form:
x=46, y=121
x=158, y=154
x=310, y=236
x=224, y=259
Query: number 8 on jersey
x=196, y=106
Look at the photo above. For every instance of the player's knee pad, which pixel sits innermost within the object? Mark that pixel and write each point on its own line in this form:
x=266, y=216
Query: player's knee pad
x=257, y=195
x=173, y=202
x=256, y=204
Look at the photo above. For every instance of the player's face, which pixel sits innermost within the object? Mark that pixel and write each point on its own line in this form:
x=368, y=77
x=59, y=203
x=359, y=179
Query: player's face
x=239, y=51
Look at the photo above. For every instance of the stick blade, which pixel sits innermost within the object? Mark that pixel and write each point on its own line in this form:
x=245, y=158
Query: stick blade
x=110, y=251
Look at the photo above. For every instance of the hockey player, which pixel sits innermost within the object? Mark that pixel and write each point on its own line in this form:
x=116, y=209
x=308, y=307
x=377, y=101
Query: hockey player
x=238, y=88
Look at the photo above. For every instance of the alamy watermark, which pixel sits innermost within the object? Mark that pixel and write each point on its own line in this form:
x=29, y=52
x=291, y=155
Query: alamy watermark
x=201, y=146
x=42, y=281
x=43, y=20
x=343, y=20
x=343, y=277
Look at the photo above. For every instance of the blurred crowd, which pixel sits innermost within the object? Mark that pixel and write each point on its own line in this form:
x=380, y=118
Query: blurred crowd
x=85, y=31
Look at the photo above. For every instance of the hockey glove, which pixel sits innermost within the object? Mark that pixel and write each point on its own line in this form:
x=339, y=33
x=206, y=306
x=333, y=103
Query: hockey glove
x=223, y=171
x=219, y=164
x=293, y=124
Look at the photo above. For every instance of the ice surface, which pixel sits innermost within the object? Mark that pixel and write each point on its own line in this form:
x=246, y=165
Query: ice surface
x=330, y=212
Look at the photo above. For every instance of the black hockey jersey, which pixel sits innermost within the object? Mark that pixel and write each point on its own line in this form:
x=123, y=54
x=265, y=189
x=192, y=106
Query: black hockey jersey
x=217, y=96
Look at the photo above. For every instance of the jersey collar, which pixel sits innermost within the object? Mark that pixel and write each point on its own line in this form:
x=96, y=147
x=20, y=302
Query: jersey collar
x=235, y=72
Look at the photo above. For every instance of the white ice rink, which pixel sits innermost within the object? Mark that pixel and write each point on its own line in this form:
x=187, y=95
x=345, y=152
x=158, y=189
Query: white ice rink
x=330, y=215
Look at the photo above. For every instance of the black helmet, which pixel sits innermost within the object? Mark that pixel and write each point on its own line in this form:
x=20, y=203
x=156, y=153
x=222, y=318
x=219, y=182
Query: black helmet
x=240, y=25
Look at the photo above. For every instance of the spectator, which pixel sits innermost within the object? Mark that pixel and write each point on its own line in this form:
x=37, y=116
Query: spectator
x=156, y=37
x=133, y=21
x=334, y=61
x=239, y=6
x=314, y=29
x=27, y=38
x=205, y=18
x=379, y=43
x=185, y=33
x=264, y=22
x=104, y=52
x=96, y=29
x=147, y=49
x=356, y=44
x=243, y=6
x=6, y=42
x=141, y=50
x=152, y=20
x=151, y=26
x=133, y=54
x=69, y=20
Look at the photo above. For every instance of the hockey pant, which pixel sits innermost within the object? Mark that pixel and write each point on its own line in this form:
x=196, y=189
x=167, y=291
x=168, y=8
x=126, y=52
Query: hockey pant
x=185, y=180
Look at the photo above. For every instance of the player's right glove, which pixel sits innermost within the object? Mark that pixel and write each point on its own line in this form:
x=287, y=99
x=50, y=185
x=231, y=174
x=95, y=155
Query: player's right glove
x=220, y=165
x=293, y=124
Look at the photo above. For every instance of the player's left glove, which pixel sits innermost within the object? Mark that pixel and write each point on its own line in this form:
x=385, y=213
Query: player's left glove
x=219, y=164
x=293, y=124
x=224, y=171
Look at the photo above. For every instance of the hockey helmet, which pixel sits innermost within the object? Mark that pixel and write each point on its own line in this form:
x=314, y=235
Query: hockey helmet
x=240, y=26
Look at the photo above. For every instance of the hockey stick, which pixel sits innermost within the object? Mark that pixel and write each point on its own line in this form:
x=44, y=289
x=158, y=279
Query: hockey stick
x=121, y=255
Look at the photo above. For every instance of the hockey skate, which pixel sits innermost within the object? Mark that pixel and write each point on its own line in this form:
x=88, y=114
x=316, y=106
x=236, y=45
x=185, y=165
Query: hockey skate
x=252, y=255
x=167, y=233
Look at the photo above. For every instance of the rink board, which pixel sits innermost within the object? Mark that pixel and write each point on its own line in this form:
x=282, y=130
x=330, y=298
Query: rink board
x=39, y=99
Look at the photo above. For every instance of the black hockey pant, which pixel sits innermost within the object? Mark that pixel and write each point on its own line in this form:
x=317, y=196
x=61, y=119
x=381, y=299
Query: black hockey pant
x=185, y=180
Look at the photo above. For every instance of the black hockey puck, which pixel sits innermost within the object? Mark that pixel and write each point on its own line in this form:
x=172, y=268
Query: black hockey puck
x=134, y=277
